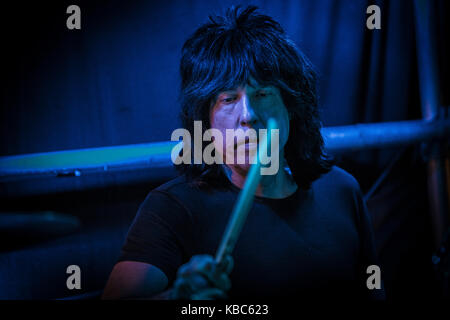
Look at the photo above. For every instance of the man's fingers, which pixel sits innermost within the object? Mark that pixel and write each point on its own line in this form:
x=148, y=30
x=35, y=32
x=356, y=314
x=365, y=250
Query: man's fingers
x=196, y=281
x=227, y=264
x=197, y=287
x=181, y=290
x=202, y=273
x=197, y=263
x=216, y=275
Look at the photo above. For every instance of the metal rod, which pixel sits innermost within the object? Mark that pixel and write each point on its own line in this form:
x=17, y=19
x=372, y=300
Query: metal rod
x=65, y=171
x=429, y=95
x=426, y=59
x=382, y=135
x=383, y=175
x=150, y=155
x=93, y=159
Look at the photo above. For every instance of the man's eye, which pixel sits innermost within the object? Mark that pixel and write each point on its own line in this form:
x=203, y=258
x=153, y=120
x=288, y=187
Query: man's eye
x=228, y=100
x=262, y=94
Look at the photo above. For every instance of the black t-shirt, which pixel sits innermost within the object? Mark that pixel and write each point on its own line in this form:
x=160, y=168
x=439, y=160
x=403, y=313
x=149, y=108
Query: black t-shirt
x=316, y=242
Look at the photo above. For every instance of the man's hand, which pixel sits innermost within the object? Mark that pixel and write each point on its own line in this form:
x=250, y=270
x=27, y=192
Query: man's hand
x=203, y=279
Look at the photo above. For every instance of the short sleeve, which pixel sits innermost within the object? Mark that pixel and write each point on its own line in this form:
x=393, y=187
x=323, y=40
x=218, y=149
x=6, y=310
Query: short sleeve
x=160, y=234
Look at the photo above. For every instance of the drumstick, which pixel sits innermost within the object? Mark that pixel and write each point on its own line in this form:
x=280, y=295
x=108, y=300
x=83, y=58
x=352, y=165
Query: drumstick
x=245, y=199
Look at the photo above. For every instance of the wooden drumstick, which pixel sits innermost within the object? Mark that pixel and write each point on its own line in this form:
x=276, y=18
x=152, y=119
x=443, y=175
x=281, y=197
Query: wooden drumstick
x=245, y=199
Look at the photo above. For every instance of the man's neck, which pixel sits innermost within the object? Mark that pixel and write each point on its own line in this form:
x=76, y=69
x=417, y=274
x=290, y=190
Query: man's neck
x=277, y=186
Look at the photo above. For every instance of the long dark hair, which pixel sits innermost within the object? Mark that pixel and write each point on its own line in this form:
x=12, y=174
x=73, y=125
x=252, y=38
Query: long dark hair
x=223, y=54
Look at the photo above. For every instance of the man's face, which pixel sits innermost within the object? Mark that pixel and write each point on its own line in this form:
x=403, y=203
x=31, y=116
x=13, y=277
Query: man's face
x=244, y=108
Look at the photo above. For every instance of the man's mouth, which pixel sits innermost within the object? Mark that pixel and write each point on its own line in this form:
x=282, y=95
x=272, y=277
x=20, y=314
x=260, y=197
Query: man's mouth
x=247, y=143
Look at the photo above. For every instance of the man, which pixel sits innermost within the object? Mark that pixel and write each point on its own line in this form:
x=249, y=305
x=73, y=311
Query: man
x=308, y=233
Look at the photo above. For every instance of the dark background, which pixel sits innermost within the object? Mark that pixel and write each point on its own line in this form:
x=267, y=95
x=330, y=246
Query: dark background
x=115, y=82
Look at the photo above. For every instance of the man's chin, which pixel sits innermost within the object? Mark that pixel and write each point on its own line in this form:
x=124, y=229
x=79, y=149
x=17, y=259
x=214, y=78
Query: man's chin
x=242, y=169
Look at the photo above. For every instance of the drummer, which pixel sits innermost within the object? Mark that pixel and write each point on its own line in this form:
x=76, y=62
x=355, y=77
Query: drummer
x=308, y=232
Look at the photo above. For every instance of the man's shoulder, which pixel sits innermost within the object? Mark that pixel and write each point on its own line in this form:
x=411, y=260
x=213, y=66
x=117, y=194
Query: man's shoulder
x=178, y=183
x=338, y=178
x=177, y=191
x=181, y=187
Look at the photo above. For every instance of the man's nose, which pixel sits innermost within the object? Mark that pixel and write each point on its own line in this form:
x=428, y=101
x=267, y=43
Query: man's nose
x=247, y=116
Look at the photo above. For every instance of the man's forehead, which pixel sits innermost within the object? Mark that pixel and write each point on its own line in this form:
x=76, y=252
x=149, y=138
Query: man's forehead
x=251, y=83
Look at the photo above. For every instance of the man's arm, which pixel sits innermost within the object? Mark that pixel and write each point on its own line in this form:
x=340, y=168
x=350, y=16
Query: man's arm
x=135, y=280
x=201, y=279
